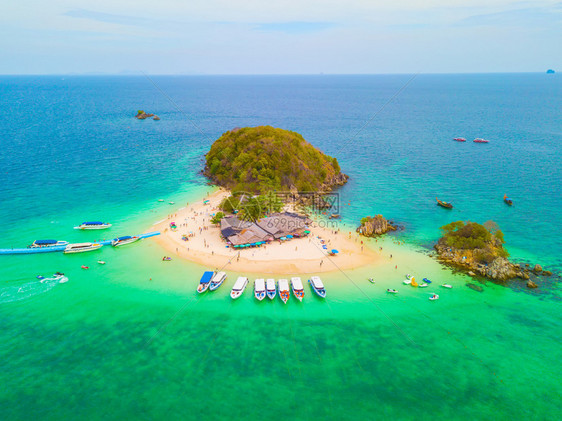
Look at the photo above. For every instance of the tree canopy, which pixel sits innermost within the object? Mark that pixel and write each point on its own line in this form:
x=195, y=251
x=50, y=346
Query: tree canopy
x=264, y=158
x=476, y=237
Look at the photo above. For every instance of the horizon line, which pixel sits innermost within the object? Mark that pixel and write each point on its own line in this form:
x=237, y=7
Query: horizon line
x=140, y=74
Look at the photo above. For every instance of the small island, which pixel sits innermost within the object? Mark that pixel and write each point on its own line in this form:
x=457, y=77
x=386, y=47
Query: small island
x=260, y=219
x=478, y=250
x=141, y=115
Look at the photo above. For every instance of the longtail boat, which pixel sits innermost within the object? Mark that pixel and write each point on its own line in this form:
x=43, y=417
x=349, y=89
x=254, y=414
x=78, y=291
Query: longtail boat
x=444, y=204
x=507, y=200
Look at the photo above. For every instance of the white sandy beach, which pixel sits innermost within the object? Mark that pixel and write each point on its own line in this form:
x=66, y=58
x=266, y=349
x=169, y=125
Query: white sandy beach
x=299, y=255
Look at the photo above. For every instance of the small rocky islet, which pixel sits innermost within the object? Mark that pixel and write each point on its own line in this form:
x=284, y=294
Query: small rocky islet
x=141, y=115
x=477, y=249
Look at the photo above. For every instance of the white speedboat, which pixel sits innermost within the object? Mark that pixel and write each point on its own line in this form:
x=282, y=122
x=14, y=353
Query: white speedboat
x=47, y=243
x=424, y=285
x=95, y=225
x=81, y=247
x=284, y=292
x=121, y=241
x=217, y=281
x=298, y=289
x=317, y=286
x=259, y=288
x=447, y=286
x=270, y=288
x=392, y=291
x=434, y=297
x=407, y=281
x=239, y=287
x=205, y=281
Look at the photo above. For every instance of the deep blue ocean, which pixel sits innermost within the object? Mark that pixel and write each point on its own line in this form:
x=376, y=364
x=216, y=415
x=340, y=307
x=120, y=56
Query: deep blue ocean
x=71, y=151
x=70, y=145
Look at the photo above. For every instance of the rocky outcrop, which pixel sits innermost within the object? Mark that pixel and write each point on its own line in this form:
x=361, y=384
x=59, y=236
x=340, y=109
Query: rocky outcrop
x=371, y=227
x=537, y=269
x=141, y=115
x=337, y=180
x=499, y=269
x=531, y=284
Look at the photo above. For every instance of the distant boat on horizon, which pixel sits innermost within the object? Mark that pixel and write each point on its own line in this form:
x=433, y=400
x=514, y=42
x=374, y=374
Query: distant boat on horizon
x=460, y=139
x=479, y=140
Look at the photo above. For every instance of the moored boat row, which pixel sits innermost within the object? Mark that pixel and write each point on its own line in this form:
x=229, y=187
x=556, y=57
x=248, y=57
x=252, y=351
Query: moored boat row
x=262, y=287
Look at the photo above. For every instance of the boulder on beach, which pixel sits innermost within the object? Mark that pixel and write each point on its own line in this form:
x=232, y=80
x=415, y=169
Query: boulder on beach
x=531, y=284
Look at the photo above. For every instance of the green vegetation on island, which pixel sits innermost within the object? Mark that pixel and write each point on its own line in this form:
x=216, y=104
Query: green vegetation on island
x=262, y=159
x=478, y=249
x=377, y=225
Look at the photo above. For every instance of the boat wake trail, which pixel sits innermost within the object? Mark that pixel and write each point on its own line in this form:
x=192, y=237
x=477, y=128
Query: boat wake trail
x=29, y=289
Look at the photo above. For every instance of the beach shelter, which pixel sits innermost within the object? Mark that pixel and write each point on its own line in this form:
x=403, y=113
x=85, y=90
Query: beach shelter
x=289, y=236
x=334, y=251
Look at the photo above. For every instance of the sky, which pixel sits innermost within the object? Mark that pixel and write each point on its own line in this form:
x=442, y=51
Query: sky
x=279, y=37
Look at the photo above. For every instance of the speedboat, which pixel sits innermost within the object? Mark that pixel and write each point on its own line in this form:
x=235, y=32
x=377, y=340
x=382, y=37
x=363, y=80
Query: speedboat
x=478, y=140
x=160, y=200
x=447, y=286
x=426, y=280
x=259, y=289
x=101, y=262
x=217, y=281
x=317, y=286
x=95, y=225
x=434, y=297
x=392, y=291
x=57, y=276
x=407, y=281
x=408, y=276
x=205, y=281
x=424, y=285
x=460, y=139
x=121, y=241
x=239, y=287
x=371, y=280
x=81, y=247
x=270, y=288
x=284, y=292
x=298, y=289
x=48, y=243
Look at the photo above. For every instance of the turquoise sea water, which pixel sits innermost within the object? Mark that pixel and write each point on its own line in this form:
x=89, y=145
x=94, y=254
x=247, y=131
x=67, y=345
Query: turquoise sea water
x=131, y=339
